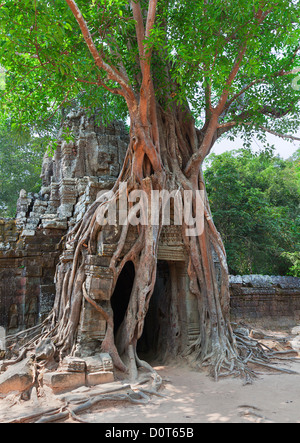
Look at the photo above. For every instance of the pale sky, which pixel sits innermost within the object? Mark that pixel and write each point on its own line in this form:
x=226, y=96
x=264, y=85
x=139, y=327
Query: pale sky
x=284, y=148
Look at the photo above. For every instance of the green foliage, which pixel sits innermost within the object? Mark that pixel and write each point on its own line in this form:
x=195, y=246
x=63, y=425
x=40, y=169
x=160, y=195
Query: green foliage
x=203, y=44
x=294, y=259
x=47, y=61
x=196, y=43
x=2, y=79
x=255, y=200
x=20, y=167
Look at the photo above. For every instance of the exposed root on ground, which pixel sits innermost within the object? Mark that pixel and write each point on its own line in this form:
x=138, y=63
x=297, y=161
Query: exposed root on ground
x=243, y=362
x=257, y=353
x=75, y=404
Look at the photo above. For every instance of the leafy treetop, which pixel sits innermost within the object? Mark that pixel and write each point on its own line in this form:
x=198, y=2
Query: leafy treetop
x=239, y=55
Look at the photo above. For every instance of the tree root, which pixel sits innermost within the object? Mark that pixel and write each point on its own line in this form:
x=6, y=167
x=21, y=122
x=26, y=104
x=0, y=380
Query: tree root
x=237, y=359
x=259, y=354
x=275, y=368
x=82, y=403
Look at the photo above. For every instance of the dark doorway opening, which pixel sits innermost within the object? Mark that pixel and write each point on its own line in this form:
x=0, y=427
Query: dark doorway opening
x=121, y=296
x=152, y=345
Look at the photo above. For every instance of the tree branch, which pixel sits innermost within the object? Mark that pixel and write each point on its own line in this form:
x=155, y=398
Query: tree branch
x=199, y=156
x=151, y=17
x=115, y=91
x=112, y=72
x=230, y=125
x=147, y=99
x=278, y=134
x=231, y=78
x=147, y=89
x=140, y=31
x=212, y=127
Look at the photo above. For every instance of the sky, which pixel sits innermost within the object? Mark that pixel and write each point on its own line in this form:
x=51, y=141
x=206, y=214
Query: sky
x=284, y=148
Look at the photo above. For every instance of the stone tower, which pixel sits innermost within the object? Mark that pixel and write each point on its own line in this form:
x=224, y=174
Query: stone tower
x=31, y=244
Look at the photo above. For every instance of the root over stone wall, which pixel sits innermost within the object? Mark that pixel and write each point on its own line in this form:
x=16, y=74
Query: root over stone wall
x=31, y=245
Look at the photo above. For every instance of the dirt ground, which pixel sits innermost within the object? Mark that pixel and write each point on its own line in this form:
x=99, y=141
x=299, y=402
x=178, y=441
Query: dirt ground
x=193, y=397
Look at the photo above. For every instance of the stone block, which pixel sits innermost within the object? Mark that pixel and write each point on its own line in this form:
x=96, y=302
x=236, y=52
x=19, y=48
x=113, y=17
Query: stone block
x=107, y=362
x=46, y=303
x=73, y=364
x=55, y=224
x=28, y=233
x=100, y=378
x=48, y=289
x=61, y=382
x=66, y=210
x=99, y=288
x=33, y=271
x=99, y=363
x=17, y=378
x=94, y=364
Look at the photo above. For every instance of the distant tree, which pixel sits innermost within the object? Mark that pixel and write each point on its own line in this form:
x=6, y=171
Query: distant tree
x=294, y=259
x=255, y=201
x=21, y=158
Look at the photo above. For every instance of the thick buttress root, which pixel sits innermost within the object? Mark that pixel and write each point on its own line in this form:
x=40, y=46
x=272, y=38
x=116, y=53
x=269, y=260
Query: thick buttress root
x=62, y=326
x=217, y=346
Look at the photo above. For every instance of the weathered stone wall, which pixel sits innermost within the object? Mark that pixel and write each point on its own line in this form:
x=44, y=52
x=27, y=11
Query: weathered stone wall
x=258, y=297
x=27, y=267
x=31, y=245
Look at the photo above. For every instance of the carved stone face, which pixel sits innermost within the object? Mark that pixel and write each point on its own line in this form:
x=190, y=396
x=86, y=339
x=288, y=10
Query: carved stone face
x=105, y=161
x=47, y=170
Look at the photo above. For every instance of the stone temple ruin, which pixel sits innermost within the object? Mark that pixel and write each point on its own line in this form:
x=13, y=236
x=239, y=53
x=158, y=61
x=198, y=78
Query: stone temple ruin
x=32, y=244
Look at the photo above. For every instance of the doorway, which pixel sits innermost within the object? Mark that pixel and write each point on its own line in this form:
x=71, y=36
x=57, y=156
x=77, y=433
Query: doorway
x=121, y=296
x=152, y=345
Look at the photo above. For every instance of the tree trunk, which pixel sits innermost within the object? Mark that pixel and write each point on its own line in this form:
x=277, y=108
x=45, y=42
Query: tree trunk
x=146, y=172
x=156, y=159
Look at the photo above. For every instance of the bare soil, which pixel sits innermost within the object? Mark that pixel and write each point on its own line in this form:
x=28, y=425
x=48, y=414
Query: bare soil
x=193, y=397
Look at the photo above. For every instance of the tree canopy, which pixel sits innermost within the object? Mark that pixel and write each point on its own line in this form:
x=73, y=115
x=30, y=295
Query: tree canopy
x=255, y=200
x=244, y=53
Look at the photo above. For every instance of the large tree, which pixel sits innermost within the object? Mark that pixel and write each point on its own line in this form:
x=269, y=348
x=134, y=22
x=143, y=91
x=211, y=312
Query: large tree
x=187, y=72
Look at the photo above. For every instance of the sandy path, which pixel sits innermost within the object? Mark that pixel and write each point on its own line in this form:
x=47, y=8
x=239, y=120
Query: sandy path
x=195, y=398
